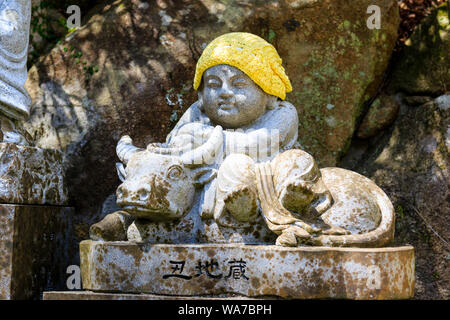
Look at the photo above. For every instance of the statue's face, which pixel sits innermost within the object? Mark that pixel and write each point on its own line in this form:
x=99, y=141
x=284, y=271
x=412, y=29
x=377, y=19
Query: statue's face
x=230, y=98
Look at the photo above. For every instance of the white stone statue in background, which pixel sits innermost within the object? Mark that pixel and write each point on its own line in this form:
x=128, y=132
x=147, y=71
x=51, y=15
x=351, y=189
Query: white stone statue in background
x=14, y=99
x=227, y=171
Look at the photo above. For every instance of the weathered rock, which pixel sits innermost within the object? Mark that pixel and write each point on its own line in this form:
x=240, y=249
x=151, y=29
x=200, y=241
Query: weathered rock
x=190, y=270
x=31, y=175
x=382, y=113
x=416, y=101
x=36, y=247
x=129, y=70
x=443, y=102
x=410, y=162
x=423, y=66
x=336, y=67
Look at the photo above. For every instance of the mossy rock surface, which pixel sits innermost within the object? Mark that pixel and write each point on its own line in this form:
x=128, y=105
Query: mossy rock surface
x=411, y=163
x=382, y=112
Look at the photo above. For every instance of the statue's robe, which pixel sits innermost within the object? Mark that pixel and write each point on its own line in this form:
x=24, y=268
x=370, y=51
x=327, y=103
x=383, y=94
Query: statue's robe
x=14, y=33
x=274, y=132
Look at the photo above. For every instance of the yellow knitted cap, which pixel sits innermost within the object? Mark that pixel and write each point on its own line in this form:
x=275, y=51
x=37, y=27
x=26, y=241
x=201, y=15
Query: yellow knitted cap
x=251, y=54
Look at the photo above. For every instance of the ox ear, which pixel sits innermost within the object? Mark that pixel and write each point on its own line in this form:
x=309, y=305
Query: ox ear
x=203, y=175
x=121, y=171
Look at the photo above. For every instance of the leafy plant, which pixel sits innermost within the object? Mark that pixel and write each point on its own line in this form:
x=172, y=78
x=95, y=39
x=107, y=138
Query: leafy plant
x=46, y=26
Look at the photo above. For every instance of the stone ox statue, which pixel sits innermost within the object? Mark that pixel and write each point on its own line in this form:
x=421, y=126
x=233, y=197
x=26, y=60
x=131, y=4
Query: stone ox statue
x=338, y=208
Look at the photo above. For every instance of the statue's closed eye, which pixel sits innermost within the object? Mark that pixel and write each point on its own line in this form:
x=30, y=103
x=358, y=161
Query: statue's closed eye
x=240, y=83
x=213, y=82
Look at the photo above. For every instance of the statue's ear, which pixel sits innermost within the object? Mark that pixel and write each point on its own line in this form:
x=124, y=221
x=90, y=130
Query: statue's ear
x=203, y=175
x=272, y=102
x=121, y=171
x=200, y=97
x=200, y=102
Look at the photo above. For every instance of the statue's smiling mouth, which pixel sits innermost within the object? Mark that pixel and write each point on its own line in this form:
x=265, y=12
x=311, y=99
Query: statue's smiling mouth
x=226, y=105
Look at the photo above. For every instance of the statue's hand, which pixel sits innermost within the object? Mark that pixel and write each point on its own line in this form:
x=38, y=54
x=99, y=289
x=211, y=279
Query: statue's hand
x=285, y=103
x=194, y=134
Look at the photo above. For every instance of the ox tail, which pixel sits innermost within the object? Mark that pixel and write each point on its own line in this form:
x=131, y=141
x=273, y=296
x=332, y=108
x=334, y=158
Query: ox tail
x=378, y=237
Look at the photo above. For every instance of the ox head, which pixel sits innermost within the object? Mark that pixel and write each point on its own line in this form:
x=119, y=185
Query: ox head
x=158, y=183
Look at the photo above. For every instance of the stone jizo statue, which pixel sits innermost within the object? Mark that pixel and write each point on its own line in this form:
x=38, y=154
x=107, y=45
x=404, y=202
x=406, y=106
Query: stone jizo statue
x=14, y=99
x=231, y=164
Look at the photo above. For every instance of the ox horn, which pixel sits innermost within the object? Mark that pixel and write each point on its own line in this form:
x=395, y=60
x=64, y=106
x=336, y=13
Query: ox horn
x=162, y=148
x=125, y=149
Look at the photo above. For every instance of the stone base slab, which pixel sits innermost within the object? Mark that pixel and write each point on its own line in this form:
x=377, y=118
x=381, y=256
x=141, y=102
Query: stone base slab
x=30, y=175
x=89, y=295
x=36, y=247
x=249, y=270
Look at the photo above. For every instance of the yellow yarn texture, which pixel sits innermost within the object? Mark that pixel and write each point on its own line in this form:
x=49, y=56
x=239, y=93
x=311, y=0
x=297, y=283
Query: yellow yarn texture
x=252, y=55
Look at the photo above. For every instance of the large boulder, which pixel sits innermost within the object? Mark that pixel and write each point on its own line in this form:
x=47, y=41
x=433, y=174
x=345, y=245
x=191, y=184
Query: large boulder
x=129, y=70
x=411, y=163
x=423, y=67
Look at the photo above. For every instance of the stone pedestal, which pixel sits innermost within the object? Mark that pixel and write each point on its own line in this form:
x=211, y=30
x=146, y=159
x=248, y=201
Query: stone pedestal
x=36, y=247
x=30, y=175
x=36, y=241
x=90, y=295
x=248, y=270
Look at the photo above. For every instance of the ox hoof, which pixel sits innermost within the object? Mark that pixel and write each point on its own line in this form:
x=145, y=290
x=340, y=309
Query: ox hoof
x=113, y=227
x=286, y=239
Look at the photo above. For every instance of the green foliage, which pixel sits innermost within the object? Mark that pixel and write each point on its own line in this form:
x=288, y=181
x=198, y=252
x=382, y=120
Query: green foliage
x=48, y=25
x=45, y=25
x=76, y=56
x=40, y=21
x=89, y=70
x=426, y=237
x=272, y=35
x=400, y=212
